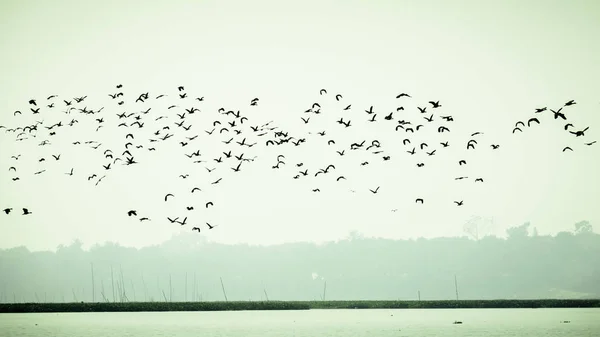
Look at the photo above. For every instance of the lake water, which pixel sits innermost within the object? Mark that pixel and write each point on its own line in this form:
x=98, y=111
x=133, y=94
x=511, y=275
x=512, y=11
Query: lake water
x=310, y=323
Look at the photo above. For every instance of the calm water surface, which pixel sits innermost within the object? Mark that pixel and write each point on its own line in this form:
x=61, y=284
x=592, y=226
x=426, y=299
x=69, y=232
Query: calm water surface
x=355, y=323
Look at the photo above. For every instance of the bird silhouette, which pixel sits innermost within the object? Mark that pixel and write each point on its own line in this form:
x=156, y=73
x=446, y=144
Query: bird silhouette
x=579, y=133
x=375, y=190
x=435, y=104
x=558, y=114
x=531, y=120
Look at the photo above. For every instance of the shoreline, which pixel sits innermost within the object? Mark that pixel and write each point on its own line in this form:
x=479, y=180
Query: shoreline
x=293, y=305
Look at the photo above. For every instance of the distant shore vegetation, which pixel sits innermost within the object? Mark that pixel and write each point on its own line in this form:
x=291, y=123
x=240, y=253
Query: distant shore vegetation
x=189, y=273
x=291, y=305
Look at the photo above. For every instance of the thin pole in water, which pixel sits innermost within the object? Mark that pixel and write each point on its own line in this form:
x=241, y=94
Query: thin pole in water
x=145, y=289
x=223, y=287
x=112, y=280
x=93, y=284
x=456, y=287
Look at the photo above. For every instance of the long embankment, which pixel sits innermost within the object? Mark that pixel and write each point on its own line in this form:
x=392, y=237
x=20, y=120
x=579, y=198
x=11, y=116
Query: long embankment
x=292, y=305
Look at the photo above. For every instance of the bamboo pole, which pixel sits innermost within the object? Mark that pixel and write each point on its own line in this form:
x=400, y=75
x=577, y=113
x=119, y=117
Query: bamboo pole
x=123, y=284
x=223, y=287
x=102, y=291
x=93, y=284
x=145, y=289
x=112, y=280
x=194, y=295
x=456, y=287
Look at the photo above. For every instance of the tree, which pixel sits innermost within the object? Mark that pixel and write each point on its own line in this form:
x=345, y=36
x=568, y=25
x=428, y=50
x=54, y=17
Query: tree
x=583, y=227
x=477, y=225
x=355, y=235
x=518, y=231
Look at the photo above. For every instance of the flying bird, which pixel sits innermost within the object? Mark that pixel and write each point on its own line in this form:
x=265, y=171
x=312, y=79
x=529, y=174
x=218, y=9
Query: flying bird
x=580, y=133
x=532, y=120
x=435, y=104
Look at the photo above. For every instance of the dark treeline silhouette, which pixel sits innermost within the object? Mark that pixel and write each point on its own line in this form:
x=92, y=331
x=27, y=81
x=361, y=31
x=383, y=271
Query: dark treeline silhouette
x=524, y=265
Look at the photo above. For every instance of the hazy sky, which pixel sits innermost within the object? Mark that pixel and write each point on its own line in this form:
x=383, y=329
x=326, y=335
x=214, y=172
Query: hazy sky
x=489, y=63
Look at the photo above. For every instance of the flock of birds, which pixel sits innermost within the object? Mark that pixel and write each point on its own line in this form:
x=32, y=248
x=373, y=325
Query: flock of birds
x=559, y=116
x=153, y=127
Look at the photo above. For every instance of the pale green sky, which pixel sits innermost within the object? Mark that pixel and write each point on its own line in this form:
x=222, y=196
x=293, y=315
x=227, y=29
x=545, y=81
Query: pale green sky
x=490, y=63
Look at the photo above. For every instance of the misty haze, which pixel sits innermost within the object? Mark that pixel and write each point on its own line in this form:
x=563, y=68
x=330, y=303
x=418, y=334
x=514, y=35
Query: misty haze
x=522, y=266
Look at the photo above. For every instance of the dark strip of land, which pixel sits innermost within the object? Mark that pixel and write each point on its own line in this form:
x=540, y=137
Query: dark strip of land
x=292, y=305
